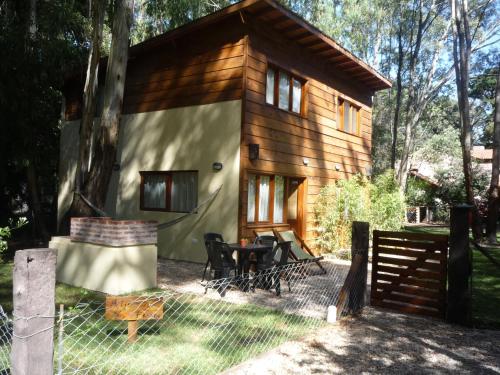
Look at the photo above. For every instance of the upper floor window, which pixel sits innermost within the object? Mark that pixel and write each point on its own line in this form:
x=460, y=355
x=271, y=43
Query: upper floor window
x=348, y=117
x=284, y=90
x=169, y=191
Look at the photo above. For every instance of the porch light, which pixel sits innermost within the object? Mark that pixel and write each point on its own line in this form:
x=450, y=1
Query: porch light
x=253, y=151
x=217, y=166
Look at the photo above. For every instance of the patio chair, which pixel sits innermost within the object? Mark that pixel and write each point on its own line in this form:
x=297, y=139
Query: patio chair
x=210, y=237
x=271, y=240
x=221, y=263
x=270, y=266
x=299, y=249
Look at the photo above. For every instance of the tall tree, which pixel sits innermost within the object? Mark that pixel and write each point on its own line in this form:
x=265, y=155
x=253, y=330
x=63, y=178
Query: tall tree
x=96, y=186
x=98, y=8
x=494, y=196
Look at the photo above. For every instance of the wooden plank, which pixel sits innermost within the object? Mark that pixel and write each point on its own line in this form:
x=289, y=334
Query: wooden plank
x=406, y=289
x=409, y=281
x=430, y=246
x=407, y=272
x=409, y=253
x=408, y=299
x=196, y=89
x=411, y=309
x=133, y=308
x=204, y=77
x=330, y=154
x=418, y=263
x=412, y=236
x=182, y=101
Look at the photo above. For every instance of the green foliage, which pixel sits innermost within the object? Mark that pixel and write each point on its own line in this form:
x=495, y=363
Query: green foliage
x=357, y=199
x=419, y=192
x=6, y=232
x=387, y=208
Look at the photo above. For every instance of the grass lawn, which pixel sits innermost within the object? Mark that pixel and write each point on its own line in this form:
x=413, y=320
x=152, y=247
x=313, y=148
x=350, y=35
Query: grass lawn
x=485, y=283
x=66, y=294
x=196, y=334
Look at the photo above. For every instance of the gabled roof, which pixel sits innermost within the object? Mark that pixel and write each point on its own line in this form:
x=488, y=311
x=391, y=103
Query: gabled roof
x=292, y=27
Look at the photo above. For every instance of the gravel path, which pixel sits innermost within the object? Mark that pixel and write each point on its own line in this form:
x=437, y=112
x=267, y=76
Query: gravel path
x=310, y=295
x=383, y=342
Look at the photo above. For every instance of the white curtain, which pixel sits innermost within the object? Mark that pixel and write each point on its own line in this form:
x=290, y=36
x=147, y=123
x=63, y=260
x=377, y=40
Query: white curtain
x=284, y=90
x=297, y=96
x=251, y=198
x=154, y=191
x=346, y=117
x=279, y=197
x=270, y=86
x=264, y=198
x=184, y=191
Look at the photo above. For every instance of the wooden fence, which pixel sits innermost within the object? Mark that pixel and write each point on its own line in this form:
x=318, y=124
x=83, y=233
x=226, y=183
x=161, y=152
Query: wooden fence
x=409, y=272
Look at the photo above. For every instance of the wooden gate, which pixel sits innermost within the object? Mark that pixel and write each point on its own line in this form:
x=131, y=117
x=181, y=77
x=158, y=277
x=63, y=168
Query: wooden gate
x=409, y=272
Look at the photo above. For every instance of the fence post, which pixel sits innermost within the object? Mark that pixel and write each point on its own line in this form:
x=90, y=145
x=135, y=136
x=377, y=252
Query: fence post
x=459, y=268
x=34, y=279
x=359, y=246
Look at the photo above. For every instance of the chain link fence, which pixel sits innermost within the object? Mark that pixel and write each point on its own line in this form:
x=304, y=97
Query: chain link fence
x=204, y=333
x=227, y=321
x=5, y=341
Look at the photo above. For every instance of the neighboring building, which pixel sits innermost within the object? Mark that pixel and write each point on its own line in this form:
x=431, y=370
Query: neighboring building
x=283, y=108
x=483, y=157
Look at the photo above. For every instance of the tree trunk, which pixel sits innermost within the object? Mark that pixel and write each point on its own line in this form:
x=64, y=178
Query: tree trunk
x=78, y=207
x=90, y=92
x=36, y=206
x=461, y=56
x=100, y=172
x=493, y=204
x=399, y=88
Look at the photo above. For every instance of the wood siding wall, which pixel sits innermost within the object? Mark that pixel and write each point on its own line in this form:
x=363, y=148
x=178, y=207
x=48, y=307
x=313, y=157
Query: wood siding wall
x=201, y=68
x=286, y=138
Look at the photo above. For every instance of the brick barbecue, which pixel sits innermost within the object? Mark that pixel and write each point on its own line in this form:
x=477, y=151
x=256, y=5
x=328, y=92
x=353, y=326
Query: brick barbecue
x=108, y=232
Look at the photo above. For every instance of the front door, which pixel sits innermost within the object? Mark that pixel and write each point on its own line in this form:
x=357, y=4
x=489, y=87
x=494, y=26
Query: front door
x=295, y=195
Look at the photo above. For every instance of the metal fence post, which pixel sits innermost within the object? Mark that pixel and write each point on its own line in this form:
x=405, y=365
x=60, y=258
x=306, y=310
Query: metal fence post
x=459, y=301
x=359, y=245
x=34, y=309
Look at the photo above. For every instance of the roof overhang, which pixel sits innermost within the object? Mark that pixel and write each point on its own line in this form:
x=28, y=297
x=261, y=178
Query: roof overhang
x=292, y=27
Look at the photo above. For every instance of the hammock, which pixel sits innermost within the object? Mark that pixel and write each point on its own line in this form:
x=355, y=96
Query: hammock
x=162, y=225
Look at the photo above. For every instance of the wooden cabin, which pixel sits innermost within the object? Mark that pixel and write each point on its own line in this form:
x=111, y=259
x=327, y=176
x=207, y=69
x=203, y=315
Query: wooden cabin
x=251, y=98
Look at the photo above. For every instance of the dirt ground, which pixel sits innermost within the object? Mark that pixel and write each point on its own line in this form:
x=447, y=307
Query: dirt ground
x=383, y=342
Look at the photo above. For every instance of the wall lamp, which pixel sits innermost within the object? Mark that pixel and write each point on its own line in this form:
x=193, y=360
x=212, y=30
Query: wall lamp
x=217, y=166
x=253, y=151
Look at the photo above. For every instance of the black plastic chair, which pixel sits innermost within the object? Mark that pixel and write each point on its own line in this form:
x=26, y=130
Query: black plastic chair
x=270, y=265
x=210, y=237
x=266, y=240
x=222, y=263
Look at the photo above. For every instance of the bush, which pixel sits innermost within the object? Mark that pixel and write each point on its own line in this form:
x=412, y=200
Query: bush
x=357, y=199
x=6, y=232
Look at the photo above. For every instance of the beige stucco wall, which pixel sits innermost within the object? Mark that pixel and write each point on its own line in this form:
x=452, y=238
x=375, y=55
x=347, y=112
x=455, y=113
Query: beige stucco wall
x=188, y=138
x=112, y=270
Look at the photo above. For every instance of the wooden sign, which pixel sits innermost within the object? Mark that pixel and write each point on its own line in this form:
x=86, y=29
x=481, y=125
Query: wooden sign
x=132, y=309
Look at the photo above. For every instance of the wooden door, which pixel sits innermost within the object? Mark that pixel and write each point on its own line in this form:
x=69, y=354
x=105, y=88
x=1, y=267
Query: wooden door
x=295, y=204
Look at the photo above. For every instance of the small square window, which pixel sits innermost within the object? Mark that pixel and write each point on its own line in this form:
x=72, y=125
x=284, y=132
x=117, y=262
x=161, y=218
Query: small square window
x=347, y=117
x=284, y=90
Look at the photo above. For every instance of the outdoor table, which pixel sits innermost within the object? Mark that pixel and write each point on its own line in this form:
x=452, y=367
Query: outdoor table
x=244, y=258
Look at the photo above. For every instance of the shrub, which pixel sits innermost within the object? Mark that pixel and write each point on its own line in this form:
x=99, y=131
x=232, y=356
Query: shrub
x=6, y=232
x=357, y=199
